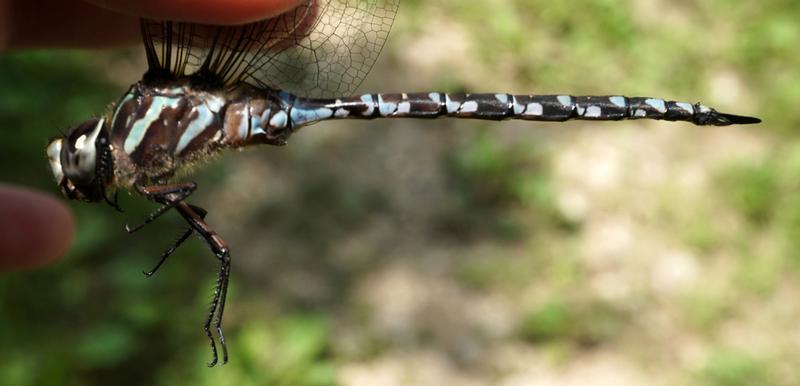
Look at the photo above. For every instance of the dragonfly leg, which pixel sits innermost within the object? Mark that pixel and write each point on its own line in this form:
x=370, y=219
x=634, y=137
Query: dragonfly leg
x=166, y=195
x=195, y=217
x=169, y=251
x=224, y=275
x=177, y=243
x=172, y=196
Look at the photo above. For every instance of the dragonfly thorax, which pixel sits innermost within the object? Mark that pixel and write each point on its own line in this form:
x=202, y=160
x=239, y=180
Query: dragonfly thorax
x=81, y=161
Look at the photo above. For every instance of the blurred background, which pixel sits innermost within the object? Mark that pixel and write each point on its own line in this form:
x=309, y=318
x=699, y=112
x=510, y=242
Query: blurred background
x=452, y=252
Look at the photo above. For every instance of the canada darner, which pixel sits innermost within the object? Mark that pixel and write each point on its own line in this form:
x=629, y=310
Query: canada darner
x=213, y=88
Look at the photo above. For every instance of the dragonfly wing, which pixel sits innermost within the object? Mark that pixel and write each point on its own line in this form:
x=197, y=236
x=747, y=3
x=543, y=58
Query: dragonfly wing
x=322, y=48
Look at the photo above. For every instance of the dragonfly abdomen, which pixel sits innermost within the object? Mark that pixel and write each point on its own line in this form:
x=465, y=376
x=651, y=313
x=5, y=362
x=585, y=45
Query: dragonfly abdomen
x=502, y=106
x=256, y=120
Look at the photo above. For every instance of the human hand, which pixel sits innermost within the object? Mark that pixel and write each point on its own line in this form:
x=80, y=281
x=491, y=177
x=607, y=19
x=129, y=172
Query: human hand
x=37, y=229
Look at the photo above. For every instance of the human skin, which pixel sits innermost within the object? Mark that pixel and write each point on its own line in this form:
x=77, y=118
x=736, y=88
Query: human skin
x=36, y=228
x=102, y=23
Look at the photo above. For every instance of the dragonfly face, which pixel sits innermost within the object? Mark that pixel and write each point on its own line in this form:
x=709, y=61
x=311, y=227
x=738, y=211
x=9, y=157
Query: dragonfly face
x=81, y=161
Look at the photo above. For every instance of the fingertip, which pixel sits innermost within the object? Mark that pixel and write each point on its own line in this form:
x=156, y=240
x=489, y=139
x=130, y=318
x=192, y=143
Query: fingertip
x=103, y=23
x=36, y=229
x=226, y=12
x=70, y=24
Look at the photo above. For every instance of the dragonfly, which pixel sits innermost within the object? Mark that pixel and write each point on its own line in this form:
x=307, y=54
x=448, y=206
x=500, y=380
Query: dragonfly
x=208, y=89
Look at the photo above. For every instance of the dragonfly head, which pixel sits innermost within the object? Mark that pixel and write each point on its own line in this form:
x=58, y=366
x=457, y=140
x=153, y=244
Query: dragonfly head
x=81, y=161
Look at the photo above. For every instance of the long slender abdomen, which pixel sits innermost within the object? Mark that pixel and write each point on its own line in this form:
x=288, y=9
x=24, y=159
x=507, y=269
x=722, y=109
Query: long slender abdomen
x=506, y=106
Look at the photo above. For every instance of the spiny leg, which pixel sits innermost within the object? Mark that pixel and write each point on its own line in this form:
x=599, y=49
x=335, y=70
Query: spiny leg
x=225, y=274
x=172, y=196
x=220, y=250
x=169, y=251
x=166, y=195
x=220, y=294
x=177, y=243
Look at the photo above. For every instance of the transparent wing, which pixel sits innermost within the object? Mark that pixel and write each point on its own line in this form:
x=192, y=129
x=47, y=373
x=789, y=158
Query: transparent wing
x=322, y=48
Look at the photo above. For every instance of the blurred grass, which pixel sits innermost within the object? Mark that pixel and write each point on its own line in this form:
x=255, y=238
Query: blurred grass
x=731, y=368
x=310, y=225
x=579, y=323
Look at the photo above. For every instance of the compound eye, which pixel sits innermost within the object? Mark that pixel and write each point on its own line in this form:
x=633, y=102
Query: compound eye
x=54, y=158
x=79, y=156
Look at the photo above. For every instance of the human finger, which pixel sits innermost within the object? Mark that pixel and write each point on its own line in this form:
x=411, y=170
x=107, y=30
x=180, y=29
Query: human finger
x=35, y=229
x=202, y=11
x=26, y=24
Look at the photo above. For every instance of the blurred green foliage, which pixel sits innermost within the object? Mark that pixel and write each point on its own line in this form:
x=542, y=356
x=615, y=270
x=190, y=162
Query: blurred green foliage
x=492, y=180
x=731, y=368
x=579, y=322
x=94, y=320
x=751, y=189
